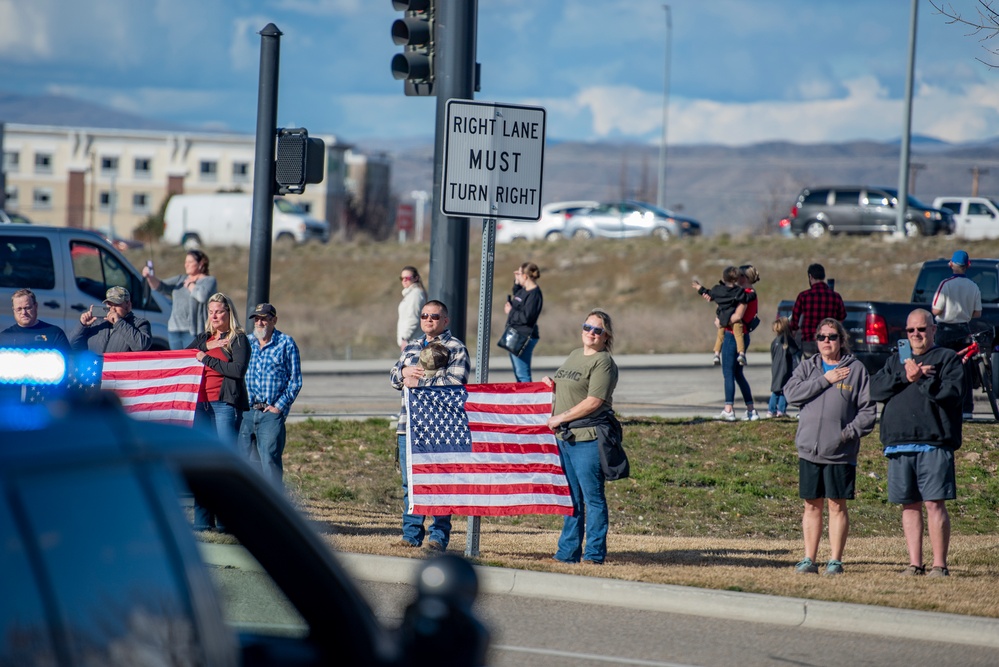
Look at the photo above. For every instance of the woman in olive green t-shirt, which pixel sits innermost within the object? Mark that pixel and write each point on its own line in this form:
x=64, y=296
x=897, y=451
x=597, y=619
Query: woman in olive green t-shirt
x=584, y=386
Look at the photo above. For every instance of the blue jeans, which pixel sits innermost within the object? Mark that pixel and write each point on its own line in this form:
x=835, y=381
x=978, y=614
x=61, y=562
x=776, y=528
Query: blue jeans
x=522, y=364
x=732, y=372
x=777, y=403
x=261, y=440
x=224, y=420
x=179, y=340
x=581, y=461
x=412, y=524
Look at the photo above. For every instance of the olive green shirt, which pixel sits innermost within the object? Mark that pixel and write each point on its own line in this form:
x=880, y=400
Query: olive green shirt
x=582, y=376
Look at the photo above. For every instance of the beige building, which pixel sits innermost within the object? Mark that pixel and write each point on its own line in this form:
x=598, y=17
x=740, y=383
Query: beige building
x=100, y=178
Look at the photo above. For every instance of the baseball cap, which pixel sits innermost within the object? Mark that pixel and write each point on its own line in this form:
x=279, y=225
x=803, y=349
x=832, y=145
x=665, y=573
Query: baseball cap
x=264, y=310
x=117, y=296
x=960, y=258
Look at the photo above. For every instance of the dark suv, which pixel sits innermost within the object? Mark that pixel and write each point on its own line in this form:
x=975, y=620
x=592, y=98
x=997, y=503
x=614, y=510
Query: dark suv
x=863, y=210
x=99, y=565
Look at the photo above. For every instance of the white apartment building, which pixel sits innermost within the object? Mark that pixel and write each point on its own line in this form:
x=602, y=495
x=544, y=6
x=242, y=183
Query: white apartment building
x=96, y=178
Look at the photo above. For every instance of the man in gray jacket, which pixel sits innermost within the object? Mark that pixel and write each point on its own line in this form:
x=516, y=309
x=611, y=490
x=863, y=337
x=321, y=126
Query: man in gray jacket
x=119, y=331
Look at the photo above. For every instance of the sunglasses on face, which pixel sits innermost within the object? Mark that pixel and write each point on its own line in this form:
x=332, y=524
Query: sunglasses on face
x=824, y=337
x=596, y=331
x=915, y=329
x=430, y=316
x=405, y=278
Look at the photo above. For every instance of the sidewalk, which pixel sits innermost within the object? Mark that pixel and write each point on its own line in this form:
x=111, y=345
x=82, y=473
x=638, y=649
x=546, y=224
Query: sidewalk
x=749, y=607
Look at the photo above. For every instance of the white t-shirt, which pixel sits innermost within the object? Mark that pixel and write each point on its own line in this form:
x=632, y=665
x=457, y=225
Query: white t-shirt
x=957, y=298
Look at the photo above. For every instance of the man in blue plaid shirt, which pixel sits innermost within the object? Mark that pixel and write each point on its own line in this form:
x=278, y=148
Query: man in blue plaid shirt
x=273, y=380
x=408, y=372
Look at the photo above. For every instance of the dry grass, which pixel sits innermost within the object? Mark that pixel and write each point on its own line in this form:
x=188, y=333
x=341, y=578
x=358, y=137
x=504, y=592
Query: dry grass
x=340, y=301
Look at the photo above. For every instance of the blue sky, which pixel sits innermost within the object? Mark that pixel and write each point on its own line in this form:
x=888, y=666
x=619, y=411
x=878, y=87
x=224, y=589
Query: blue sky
x=743, y=71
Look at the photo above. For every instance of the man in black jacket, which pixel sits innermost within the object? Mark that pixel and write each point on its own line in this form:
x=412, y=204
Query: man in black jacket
x=119, y=331
x=920, y=430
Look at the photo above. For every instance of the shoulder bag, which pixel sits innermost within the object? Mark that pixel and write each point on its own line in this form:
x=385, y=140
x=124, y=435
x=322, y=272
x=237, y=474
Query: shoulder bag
x=513, y=341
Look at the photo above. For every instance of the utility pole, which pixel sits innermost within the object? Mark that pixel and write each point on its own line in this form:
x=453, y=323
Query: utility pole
x=976, y=172
x=903, y=163
x=914, y=168
x=661, y=191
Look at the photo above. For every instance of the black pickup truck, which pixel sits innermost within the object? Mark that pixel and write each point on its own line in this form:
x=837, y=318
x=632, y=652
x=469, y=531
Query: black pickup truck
x=875, y=326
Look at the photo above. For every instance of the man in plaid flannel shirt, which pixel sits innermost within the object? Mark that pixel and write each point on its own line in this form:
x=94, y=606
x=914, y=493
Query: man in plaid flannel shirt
x=409, y=373
x=273, y=380
x=812, y=306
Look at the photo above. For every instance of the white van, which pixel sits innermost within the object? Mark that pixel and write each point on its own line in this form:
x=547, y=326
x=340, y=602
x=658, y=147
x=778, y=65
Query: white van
x=224, y=219
x=974, y=217
x=70, y=270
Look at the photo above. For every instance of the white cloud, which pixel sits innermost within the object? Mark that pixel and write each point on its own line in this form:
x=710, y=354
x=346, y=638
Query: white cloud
x=24, y=31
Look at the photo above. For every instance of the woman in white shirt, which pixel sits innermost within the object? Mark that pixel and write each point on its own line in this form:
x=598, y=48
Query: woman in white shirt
x=413, y=298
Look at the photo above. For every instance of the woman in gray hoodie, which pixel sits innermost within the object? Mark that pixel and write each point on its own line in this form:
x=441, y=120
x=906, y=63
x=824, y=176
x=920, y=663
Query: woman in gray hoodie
x=833, y=392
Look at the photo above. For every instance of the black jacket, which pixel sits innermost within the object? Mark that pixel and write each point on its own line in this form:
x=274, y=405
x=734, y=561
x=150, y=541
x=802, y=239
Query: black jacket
x=610, y=437
x=130, y=334
x=925, y=411
x=233, y=370
x=525, y=310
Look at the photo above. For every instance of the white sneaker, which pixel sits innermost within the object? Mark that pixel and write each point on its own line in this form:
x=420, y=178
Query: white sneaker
x=727, y=416
x=752, y=416
x=771, y=415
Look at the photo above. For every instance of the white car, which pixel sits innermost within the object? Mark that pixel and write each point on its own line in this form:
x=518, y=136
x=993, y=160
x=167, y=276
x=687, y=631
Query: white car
x=553, y=220
x=974, y=217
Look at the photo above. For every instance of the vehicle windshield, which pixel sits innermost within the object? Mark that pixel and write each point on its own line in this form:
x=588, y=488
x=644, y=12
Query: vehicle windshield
x=662, y=212
x=913, y=202
x=286, y=206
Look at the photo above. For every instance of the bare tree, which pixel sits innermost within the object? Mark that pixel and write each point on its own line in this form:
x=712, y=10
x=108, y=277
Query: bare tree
x=985, y=24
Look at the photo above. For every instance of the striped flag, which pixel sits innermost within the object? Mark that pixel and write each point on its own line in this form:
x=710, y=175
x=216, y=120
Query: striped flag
x=483, y=450
x=155, y=386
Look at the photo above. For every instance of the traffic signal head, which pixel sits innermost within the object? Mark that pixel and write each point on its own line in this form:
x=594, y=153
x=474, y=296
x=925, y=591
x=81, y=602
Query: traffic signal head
x=300, y=161
x=415, y=32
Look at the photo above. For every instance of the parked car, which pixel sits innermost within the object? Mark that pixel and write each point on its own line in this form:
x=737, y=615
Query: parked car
x=974, y=217
x=627, y=219
x=863, y=210
x=550, y=227
x=101, y=565
x=70, y=270
x=10, y=217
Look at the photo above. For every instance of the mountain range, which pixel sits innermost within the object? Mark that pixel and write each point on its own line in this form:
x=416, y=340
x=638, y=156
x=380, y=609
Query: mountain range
x=729, y=189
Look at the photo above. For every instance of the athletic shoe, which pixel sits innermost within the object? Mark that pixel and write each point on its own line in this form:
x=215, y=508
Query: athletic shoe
x=741, y=359
x=752, y=416
x=780, y=415
x=834, y=567
x=938, y=571
x=914, y=571
x=727, y=416
x=806, y=566
x=771, y=415
x=717, y=360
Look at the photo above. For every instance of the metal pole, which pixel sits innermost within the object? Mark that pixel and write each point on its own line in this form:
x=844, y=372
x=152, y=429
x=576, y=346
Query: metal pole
x=661, y=191
x=259, y=275
x=454, y=77
x=903, y=163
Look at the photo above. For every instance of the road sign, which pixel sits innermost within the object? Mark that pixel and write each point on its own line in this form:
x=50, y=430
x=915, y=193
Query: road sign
x=404, y=217
x=493, y=160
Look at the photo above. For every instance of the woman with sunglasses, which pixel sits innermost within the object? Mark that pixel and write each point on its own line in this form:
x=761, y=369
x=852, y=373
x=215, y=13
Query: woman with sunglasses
x=413, y=298
x=188, y=292
x=833, y=390
x=584, y=387
x=523, y=308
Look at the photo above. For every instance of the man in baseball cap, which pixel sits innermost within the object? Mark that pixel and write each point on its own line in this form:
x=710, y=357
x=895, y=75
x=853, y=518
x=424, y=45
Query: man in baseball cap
x=956, y=302
x=120, y=330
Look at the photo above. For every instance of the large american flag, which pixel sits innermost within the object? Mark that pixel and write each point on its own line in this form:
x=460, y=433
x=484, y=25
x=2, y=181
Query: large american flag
x=483, y=450
x=155, y=386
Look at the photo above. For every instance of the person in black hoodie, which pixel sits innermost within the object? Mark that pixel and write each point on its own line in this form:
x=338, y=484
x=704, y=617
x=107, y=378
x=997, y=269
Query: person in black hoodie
x=523, y=308
x=920, y=430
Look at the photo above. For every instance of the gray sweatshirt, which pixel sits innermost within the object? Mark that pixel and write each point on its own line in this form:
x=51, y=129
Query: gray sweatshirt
x=833, y=418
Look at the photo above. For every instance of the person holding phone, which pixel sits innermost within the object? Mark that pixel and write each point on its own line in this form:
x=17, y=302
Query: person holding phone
x=832, y=390
x=118, y=329
x=920, y=431
x=523, y=308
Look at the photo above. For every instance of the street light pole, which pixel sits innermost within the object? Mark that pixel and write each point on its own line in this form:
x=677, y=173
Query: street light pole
x=661, y=193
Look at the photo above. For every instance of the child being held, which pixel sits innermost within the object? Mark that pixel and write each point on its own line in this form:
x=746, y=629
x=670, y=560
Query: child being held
x=728, y=295
x=434, y=359
x=784, y=356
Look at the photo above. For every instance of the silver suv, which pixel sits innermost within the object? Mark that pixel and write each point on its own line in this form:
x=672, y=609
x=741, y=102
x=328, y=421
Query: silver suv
x=860, y=209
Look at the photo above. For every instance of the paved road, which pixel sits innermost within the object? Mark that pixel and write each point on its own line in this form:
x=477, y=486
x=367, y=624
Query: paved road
x=668, y=385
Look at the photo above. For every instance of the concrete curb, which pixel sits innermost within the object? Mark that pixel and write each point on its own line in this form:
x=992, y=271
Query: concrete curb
x=751, y=607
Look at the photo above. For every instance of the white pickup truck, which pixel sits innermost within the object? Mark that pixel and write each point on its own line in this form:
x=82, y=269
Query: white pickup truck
x=974, y=217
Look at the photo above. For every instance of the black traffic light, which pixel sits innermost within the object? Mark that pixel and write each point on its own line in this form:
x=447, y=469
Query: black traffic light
x=301, y=160
x=415, y=65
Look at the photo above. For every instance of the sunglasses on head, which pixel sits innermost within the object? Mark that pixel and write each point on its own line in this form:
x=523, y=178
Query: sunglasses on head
x=430, y=316
x=596, y=331
x=824, y=337
x=915, y=329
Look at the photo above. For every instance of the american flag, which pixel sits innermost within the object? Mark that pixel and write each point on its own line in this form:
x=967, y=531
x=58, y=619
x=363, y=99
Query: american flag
x=155, y=386
x=483, y=450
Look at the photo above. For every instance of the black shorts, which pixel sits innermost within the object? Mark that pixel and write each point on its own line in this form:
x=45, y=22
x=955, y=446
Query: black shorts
x=826, y=480
x=918, y=476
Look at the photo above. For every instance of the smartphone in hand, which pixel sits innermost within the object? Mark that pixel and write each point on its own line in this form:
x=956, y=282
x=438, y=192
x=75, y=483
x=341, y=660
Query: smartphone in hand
x=904, y=350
